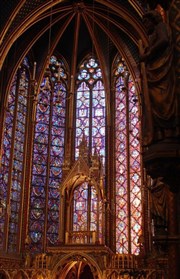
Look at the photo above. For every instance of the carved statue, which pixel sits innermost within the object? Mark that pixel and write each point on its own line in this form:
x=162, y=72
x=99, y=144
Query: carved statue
x=159, y=109
x=159, y=207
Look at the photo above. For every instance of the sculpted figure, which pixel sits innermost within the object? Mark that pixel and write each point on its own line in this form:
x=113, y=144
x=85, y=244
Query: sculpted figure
x=160, y=105
x=159, y=207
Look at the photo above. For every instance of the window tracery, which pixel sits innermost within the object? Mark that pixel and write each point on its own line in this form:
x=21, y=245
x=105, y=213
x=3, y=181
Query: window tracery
x=90, y=107
x=48, y=156
x=13, y=158
x=128, y=162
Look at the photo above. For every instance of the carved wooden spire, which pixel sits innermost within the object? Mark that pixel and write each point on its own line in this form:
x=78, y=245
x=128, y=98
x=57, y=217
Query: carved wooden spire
x=83, y=148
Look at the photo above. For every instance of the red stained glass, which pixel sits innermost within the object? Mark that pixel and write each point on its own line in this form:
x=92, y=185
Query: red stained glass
x=128, y=178
x=87, y=210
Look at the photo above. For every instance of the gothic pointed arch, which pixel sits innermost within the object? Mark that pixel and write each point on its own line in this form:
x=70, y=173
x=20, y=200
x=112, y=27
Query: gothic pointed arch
x=82, y=197
x=90, y=107
x=13, y=159
x=128, y=181
x=74, y=264
x=48, y=156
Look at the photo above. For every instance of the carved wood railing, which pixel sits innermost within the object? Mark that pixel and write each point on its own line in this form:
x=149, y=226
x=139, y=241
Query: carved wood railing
x=123, y=261
x=80, y=237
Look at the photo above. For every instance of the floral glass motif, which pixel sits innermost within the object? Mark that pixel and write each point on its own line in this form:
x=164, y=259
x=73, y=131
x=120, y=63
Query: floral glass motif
x=128, y=166
x=90, y=108
x=48, y=156
x=11, y=175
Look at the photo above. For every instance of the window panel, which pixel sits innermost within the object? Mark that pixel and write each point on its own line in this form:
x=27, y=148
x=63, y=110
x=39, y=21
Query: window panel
x=48, y=156
x=90, y=108
x=90, y=121
x=127, y=148
x=11, y=176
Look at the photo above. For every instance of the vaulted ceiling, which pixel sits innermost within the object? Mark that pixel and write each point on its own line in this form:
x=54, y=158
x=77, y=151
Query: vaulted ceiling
x=71, y=28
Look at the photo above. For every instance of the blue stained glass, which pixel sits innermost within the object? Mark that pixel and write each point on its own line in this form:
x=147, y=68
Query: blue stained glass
x=43, y=128
x=12, y=157
x=38, y=191
x=54, y=215
x=15, y=196
x=55, y=171
x=53, y=229
x=48, y=154
x=54, y=183
x=15, y=207
x=35, y=236
x=41, y=138
x=54, y=193
x=53, y=60
x=42, y=118
x=37, y=213
x=38, y=180
x=57, y=121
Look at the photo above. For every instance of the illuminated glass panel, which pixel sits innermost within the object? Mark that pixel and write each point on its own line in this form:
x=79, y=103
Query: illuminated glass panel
x=82, y=114
x=87, y=210
x=94, y=206
x=121, y=170
x=90, y=108
x=80, y=216
x=48, y=156
x=11, y=176
x=127, y=148
x=98, y=119
x=135, y=169
x=6, y=154
x=90, y=120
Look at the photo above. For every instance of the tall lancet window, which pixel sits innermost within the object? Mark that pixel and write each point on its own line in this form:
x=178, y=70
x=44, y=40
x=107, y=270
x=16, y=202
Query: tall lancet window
x=48, y=156
x=13, y=160
x=90, y=108
x=90, y=122
x=128, y=166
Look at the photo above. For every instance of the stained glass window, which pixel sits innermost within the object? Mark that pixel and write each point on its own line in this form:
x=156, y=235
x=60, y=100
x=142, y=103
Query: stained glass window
x=90, y=108
x=127, y=148
x=82, y=195
x=87, y=210
x=48, y=156
x=90, y=121
x=80, y=216
x=11, y=173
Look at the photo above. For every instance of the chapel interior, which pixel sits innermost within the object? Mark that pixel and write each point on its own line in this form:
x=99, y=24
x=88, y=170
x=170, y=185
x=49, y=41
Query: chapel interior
x=89, y=139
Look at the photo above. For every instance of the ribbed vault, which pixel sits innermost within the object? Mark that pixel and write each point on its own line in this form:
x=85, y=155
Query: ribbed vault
x=73, y=29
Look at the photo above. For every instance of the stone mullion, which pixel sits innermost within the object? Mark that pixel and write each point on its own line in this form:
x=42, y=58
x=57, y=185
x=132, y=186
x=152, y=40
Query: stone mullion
x=110, y=208
x=26, y=138
x=89, y=210
x=71, y=121
x=111, y=168
x=28, y=164
x=8, y=212
x=51, y=92
x=109, y=231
